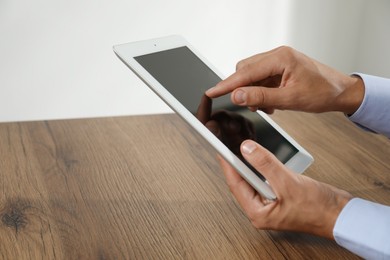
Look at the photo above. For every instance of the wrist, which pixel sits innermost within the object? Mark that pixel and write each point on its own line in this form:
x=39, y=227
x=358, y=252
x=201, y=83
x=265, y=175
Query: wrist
x=352, y=97
x=340, y=201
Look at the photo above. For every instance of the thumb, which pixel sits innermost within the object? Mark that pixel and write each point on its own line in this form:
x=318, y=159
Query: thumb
x=265, y=163
x=261, y=97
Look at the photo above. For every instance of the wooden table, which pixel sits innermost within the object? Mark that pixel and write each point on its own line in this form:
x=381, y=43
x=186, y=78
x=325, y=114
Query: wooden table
x=147, y=187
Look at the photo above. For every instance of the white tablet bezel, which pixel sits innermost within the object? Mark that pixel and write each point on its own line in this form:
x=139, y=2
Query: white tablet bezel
x=126, y=52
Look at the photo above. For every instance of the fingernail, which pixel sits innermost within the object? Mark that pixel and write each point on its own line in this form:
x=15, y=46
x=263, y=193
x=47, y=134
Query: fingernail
x=210, y=90
x=239, y=96
x=248, y=147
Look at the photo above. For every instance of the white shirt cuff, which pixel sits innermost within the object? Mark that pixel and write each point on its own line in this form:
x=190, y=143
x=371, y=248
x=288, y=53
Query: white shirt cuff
x=363, y=227
x=374, y=112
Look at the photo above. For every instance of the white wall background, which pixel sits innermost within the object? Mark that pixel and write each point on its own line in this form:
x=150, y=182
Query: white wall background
x=56, y=58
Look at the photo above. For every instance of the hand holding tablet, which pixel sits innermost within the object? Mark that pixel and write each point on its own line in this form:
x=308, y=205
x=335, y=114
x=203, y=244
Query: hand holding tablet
x=176, y=72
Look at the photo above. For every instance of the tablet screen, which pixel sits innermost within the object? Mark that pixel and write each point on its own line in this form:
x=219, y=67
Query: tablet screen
x=187, y=78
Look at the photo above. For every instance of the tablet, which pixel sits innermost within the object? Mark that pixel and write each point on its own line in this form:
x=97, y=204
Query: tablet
x=177, y=73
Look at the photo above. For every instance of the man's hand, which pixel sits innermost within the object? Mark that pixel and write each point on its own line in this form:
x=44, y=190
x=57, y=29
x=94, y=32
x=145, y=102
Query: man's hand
x=284, y=78
x=302, y=205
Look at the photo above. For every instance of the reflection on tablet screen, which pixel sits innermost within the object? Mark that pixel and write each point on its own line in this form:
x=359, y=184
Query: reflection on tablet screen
x=186, y=77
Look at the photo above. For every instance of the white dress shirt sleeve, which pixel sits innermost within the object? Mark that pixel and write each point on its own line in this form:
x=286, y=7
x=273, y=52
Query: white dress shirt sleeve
x=374, y=112
x=363, y=227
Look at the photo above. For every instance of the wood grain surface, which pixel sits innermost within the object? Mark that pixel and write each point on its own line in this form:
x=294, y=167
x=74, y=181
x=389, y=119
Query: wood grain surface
x=148, y=187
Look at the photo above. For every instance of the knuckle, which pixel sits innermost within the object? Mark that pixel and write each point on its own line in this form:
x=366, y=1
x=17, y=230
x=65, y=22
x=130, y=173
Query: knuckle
x=257, y=220
x=259, y=97
x=240, y=65
x=253, y=218
x=247, y=72
x=287, y=52
x=256, y=224
x=286, y=49
x=265, y=161
x=233, y=185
